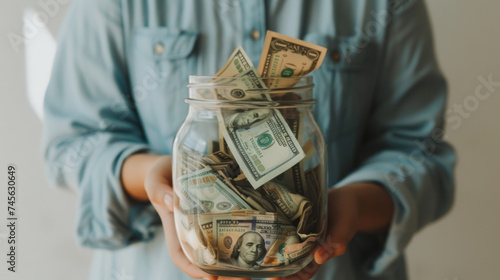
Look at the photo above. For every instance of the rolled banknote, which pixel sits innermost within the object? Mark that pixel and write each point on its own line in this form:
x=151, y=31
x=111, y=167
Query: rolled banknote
x=223, y=162
x=291, y=205
x=293, y=178
x=297, y=251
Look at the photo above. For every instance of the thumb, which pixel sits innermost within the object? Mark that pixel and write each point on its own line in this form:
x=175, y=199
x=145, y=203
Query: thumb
x=329, y=249
x=161, y=196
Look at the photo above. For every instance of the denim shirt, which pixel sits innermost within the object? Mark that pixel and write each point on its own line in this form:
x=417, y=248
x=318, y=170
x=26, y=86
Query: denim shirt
x=119, y=84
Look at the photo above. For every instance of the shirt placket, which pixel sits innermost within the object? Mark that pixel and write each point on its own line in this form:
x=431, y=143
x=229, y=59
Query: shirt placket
x=254, y=28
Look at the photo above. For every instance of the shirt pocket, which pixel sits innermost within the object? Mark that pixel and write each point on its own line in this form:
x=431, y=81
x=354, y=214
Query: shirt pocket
x=343, y=84
x=161, y=59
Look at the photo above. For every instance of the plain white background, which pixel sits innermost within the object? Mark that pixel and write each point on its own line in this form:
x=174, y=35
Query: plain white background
x=463, y=245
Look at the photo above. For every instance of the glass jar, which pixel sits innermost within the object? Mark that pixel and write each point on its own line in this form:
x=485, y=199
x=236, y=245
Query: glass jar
x=249, y=177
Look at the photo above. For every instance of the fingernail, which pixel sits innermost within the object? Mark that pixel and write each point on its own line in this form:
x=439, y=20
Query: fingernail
x=323, y=255
x=168, y=201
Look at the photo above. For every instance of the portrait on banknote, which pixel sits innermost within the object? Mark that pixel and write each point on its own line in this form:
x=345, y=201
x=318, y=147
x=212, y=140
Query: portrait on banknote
x=241, y=119
x=248, y=250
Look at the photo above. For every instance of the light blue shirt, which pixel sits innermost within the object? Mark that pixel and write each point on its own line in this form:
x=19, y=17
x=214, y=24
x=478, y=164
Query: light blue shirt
x=119, y=84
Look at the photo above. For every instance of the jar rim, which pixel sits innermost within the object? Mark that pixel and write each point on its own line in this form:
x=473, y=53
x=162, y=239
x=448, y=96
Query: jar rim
x=299, y=86
x=301, y=83
x=250, y=105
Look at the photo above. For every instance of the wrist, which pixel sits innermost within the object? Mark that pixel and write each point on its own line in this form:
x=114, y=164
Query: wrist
x=374, y=207
x=133, y=174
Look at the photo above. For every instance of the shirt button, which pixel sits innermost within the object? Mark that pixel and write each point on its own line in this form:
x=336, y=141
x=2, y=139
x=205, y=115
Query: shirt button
x=335, y=56
x=255, y=34
x=159, y=48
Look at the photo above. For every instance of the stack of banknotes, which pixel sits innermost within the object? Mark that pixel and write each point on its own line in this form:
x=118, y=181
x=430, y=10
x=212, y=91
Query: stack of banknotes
x=250, y=203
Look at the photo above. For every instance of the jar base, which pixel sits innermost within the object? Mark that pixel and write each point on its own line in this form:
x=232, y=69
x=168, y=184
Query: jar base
x=251, y=274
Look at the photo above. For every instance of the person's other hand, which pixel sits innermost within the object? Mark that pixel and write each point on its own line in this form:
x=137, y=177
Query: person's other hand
x=364, y=207
x=158, y=185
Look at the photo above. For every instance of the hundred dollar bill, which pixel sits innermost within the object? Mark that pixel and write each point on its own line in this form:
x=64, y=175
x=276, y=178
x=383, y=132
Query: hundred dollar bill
x=261, y=143
x=233, y=232
x=206, y=220
x=275, y=255
x=259, y=138
x=206, y=190
x=287, y=57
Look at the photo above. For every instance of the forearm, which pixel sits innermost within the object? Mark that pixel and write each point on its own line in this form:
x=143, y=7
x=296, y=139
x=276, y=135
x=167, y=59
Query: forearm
x=133, y=174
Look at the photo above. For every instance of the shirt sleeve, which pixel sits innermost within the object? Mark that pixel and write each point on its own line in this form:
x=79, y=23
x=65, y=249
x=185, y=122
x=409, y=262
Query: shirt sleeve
x=90, y=126
x=403, y=150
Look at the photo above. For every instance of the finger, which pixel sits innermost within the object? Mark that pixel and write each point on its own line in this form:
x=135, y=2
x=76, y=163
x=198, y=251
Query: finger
x=341, y=228
x=161, y=195
x=175, y=250
x=306, y=273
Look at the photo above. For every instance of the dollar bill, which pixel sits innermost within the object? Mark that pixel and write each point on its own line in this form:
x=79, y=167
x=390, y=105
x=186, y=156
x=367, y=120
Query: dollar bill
x=287, y=57
x=259, y=138
x=291, y=205
x=262, y=230
x=250, y=195
x=293, y=178
x=312, y=176
x=238, y=63
x=275, y=255
x=297, y=251
x=206, y=190
x=220, y=161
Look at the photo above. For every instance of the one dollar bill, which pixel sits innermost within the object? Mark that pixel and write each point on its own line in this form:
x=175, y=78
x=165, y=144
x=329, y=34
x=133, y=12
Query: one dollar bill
x=287, y=57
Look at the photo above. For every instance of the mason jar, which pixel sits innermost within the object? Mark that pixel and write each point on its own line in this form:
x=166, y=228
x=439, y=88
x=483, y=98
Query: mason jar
x=249, y=176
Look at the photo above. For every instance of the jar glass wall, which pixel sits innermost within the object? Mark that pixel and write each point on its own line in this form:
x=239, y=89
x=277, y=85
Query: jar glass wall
x=249, y=177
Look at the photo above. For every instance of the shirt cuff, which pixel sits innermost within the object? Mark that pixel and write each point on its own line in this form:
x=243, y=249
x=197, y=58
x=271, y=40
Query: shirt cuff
x=106, y=217
x=401, y=229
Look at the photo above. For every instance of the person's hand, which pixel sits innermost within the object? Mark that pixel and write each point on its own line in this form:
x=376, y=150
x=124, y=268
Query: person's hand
x=158, y=185
x=362, y=207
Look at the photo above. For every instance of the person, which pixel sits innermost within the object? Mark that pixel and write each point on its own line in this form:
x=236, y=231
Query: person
x=249, y=248
x=116, y=100
x=247, y=118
